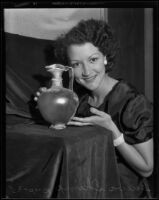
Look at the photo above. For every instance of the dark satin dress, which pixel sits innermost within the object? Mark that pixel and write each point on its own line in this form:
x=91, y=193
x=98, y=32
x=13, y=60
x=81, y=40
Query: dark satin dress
x=133, y=115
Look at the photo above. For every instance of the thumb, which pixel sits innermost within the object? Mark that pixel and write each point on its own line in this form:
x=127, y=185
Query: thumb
x=96, y=111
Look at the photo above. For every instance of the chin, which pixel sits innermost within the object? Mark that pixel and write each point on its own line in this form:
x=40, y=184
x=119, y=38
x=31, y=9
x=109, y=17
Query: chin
x=90, y=86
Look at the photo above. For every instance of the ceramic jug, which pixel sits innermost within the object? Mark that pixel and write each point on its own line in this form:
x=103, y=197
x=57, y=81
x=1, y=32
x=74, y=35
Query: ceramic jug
x=57, y=104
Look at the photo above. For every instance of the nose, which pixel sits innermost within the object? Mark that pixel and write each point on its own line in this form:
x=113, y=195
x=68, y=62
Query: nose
x=86, y=70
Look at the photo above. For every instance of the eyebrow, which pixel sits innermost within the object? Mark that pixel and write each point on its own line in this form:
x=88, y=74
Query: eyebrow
x=88, y=57
x=93, y=54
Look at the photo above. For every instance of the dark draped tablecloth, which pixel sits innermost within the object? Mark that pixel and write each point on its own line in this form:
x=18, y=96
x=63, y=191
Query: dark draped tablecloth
x=76, y=162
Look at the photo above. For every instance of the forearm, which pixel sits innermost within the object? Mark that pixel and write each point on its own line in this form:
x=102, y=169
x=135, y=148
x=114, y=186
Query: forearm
x=132, y=156
x=134, y=159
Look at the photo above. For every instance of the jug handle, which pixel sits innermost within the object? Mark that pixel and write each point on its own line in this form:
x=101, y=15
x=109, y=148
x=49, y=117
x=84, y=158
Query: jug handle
x=71, y=78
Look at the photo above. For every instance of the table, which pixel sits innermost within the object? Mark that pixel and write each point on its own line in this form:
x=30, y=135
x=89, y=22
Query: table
x=76, y=162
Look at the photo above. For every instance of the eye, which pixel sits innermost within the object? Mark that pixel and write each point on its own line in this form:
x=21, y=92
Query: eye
x=92, y=60
x=74, y=65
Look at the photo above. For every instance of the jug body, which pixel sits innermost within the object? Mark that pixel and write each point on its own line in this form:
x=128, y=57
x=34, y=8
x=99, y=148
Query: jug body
x=57, y=104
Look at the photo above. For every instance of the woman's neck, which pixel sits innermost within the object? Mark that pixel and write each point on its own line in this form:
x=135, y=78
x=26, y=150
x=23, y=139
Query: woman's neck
x=98, y=95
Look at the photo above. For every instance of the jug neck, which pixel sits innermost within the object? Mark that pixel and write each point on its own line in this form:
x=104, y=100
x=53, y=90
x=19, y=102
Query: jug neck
x=57, y=82
x=57, y=77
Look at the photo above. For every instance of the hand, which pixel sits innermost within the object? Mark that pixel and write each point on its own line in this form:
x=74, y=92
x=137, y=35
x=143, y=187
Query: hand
x=38, y=93
x=100, y=118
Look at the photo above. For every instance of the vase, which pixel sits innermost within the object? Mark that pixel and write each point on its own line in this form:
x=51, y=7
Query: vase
x=57, y=104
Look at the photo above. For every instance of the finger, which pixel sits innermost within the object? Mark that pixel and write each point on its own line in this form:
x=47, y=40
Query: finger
x=90, y=119
x=75, y=123
x=80, y=119
x=35, y=98
x=96, y=111
x=38, y=94
x=77, y=118
x=42, y=89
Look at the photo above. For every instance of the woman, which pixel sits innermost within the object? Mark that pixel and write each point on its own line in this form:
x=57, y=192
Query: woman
x=90, y=48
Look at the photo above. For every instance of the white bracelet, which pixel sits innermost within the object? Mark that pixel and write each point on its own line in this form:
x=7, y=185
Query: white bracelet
x=119, y=140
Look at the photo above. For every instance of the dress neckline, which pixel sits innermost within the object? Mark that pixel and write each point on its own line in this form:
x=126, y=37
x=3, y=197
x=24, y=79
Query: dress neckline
x=106, y=96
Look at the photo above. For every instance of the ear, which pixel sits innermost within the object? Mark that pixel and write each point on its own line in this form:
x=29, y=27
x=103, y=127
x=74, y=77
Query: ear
x=105, y=60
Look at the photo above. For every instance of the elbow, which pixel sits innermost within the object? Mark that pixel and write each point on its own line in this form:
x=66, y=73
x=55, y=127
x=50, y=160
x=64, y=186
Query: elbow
x=148, y=172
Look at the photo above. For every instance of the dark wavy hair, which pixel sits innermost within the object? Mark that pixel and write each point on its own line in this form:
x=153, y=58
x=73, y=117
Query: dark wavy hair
x=97, y=32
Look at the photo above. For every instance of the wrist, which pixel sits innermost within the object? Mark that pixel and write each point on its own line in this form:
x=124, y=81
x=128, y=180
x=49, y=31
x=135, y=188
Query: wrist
x=118, y=141
x=115, y=131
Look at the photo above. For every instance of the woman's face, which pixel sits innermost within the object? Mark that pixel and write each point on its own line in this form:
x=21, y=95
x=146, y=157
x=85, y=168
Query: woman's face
x=88, y=64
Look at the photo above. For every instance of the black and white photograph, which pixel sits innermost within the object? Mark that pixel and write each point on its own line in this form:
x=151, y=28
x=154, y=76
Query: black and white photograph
x=80, y=114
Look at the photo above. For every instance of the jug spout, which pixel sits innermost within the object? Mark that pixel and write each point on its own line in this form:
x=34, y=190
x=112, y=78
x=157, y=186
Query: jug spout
x=57, y=67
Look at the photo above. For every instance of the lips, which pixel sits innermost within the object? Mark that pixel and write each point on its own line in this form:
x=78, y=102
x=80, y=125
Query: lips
x=89, y=78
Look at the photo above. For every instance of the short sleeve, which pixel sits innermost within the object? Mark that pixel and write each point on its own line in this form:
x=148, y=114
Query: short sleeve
x=137, y=120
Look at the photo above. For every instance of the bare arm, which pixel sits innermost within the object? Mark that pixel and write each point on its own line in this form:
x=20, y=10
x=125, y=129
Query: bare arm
x=138, y=156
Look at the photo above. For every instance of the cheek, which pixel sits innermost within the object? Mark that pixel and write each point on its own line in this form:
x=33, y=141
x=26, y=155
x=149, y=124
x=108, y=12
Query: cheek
x=100, y=68
x=77, y=73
